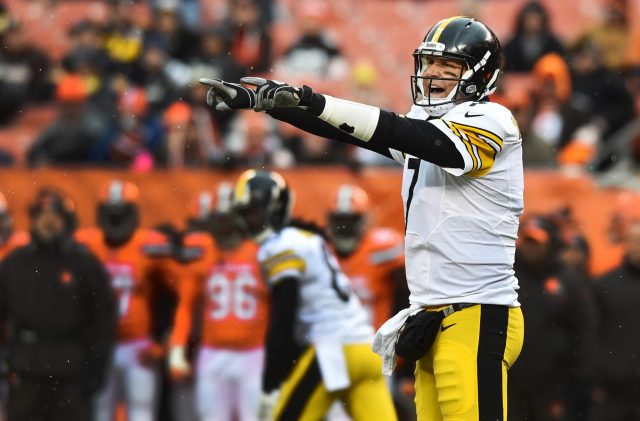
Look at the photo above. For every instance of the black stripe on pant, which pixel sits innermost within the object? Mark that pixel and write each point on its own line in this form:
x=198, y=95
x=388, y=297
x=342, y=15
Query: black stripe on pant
x=301, y=394
x=494, y=321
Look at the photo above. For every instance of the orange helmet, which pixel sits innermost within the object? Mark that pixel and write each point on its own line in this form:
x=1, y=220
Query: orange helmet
x=118, y=214
x=347, y=218
x=211, y=211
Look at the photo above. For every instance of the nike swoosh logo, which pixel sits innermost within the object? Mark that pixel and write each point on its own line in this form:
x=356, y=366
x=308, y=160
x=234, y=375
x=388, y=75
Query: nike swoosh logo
x=443, y=328
x=472, y=115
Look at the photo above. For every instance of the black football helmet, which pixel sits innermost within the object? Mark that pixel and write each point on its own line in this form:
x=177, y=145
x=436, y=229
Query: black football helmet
x=347, y=218
x=263, y=202
x=471, y=43
x=118, y=212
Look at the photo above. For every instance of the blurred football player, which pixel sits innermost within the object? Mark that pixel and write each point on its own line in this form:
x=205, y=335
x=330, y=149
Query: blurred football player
x=233, y=321
x=318, y=340
x=372, y=257
x=129, y=254
x=462, y=191
x=9, y=239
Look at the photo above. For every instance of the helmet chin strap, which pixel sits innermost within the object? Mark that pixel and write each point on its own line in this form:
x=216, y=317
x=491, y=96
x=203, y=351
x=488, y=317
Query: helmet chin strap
x=436, y=109
x=263, y=235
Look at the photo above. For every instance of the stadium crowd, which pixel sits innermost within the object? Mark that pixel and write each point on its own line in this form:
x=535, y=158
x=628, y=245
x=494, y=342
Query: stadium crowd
x=125, y=96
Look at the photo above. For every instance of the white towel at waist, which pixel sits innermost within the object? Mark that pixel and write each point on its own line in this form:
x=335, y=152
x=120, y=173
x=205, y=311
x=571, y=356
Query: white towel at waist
x=384, y=343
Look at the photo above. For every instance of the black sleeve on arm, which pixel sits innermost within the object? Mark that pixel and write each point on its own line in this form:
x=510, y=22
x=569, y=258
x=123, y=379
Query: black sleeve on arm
x=418, y=138
x=308, y=122
x=281, y=349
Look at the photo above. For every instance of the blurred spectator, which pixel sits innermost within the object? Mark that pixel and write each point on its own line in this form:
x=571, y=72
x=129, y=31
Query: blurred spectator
x=552, y=378
x=599, y=90
x=254, y=141
x=123, y=37
x=88, y=58
x=168, y=29
x=551, y=120
x=309, y=149
x=24, y=72
x=60, y=315
x=137, y=139
x=192, y=141
x=618, y=294
x=250, y=39
x=612, y=35
x=75, y=131
x=214, y=61
x=365, y=90
x=160, y=77
x=314, y=55
x=532, y=39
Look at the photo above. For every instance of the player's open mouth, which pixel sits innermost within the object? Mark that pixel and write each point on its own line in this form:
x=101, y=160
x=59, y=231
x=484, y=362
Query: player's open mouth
x=436, y=90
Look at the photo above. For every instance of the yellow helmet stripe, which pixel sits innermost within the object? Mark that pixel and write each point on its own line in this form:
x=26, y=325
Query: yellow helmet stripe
x=443, y=25
x=241, y=195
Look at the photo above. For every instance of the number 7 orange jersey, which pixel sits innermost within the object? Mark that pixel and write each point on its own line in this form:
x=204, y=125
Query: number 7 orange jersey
x=369, y=268
x=129, y=267
x=235, y=311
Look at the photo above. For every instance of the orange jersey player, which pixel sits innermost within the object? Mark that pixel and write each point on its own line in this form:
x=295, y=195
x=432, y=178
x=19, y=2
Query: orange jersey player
x=9, y=239
x=129, y=255
x=372, y=258
x=234, y=316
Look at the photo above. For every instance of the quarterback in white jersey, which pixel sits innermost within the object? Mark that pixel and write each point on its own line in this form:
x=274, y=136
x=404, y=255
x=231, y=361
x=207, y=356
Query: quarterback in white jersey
x=463, y=195
x=318, y=340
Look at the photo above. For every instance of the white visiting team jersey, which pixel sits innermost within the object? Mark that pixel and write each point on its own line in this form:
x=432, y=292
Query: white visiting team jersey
x=327, y=309
x=462, y=224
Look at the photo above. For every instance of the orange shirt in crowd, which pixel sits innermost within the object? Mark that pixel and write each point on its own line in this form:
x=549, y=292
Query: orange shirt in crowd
x=369, y=267
x=17, y=239
x=235, y=310
x=130, y=267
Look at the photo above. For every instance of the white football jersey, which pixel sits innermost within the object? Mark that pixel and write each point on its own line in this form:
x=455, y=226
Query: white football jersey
x=327, y=310
x=462, y=224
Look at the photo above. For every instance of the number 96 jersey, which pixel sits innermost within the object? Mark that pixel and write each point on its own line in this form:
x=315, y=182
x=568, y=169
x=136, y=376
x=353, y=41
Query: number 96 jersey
x=236, y=303
x=327, y=308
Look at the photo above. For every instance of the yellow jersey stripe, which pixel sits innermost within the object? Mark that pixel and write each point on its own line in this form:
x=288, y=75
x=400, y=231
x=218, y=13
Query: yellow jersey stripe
x=436, y=35
x=278, y=256
x=478, y=130
x=292, y=263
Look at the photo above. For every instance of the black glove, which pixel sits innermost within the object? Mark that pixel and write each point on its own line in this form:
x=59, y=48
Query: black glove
x=273, y=94
x=225, y=96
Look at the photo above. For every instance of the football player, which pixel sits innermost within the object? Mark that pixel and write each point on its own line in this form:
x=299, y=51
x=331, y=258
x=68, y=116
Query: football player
x=318, y=340
x=9, y=239
x=223, y=273
x=463, y=194
x=372, y=257
x=129, y=254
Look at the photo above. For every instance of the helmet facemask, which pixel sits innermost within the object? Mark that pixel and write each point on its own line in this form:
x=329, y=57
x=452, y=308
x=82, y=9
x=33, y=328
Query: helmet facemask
x=469, y=85
x=346, y=231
